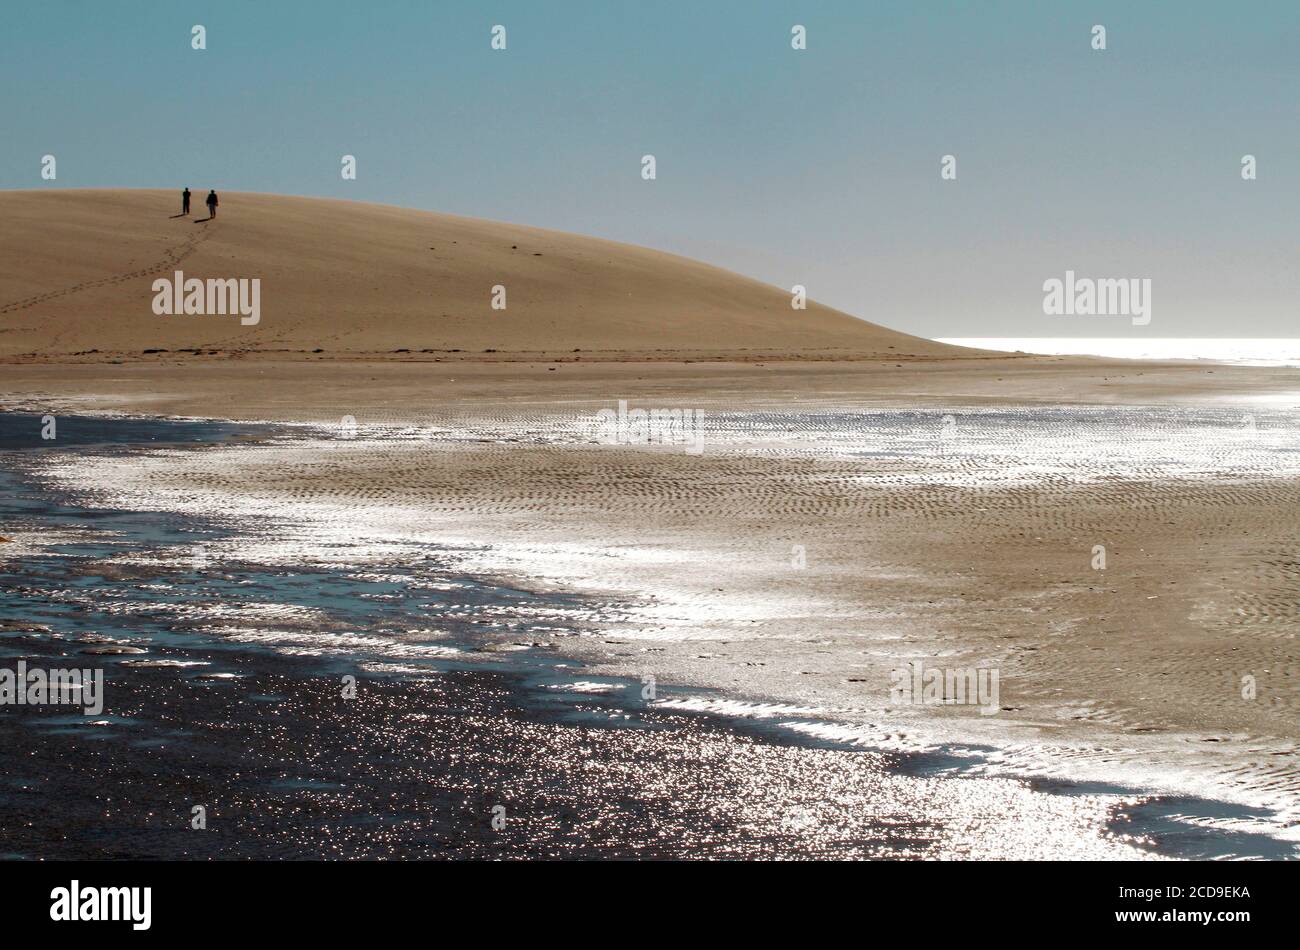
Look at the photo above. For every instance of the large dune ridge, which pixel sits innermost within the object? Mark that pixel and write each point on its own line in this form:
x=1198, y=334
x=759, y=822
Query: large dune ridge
x=349, y=279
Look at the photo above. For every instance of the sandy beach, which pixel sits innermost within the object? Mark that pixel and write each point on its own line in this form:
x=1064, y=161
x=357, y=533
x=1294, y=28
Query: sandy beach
x=860, y=500
x=1129, y=674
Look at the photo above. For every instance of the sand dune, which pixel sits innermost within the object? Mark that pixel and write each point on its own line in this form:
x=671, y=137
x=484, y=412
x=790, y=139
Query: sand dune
x=972, y=552
x=345, y=278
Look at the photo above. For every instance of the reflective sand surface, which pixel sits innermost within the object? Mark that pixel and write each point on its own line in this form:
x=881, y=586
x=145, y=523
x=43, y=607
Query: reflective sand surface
x=467, y=699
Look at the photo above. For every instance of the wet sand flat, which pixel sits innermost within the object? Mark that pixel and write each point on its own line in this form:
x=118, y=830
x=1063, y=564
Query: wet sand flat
x=323, y=700
x=416, y=769
x=962, y=543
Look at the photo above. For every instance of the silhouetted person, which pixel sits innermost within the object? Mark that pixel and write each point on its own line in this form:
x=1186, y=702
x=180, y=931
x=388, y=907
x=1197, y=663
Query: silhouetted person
x=185, y=200
x=212, y=204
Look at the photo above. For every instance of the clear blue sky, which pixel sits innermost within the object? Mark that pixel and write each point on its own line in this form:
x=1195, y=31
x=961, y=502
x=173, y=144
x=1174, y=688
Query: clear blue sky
x=818, y=167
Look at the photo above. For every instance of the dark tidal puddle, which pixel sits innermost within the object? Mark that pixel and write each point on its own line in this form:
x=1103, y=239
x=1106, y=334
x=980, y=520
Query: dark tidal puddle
x=467, y=735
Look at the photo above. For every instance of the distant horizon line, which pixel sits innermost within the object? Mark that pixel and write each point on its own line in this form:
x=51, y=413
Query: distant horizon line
x=1122, y=339
x=1126, y=339
x=1254, y=351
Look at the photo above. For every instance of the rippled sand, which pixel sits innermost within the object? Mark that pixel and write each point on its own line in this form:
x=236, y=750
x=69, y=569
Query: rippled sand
x=223, y=661
x=960, y=531
x=977, y=553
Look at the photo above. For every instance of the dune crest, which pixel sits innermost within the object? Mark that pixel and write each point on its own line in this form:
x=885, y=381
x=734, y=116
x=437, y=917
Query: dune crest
x=346, y=279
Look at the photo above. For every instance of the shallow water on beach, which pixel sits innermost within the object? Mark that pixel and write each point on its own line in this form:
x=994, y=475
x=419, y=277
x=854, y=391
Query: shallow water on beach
x=962, y=445
x=225, y=673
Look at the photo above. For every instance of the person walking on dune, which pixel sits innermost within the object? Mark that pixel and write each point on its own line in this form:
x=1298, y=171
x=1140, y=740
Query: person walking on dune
x=185, y=200
x=212, y=203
